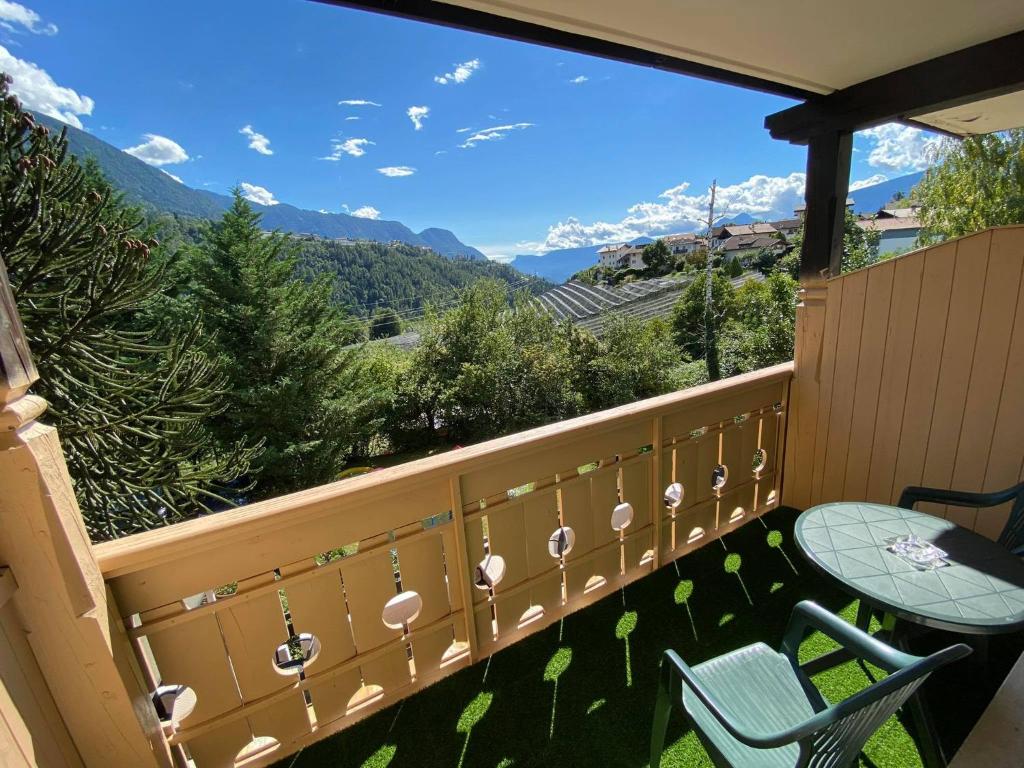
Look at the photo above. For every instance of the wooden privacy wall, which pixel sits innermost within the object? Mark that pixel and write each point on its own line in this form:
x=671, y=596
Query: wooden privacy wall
x=292, y=618
x=32, y=732
x=920, y=380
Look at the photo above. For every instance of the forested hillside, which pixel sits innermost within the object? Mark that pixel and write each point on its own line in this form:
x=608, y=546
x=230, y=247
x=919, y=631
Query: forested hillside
x=370, y=275
x=155, y=189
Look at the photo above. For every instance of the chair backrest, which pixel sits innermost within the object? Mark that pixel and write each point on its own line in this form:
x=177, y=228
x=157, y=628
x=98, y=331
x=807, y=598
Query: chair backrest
x=1012, y=536
x=852, y=721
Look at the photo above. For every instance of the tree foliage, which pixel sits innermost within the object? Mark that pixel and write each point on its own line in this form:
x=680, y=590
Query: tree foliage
x=293, y=382
x=688, y=313
x=761, y=332
x=384, y=323
x=369, y=275
x=130, y=396
x=860, y=247
x=657, y=258
x=977, y=183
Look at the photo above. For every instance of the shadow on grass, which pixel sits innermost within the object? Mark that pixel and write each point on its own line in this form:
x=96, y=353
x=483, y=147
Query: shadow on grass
x=559, y=697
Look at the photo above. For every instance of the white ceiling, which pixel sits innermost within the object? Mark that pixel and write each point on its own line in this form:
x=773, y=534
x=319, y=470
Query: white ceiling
x=818, y=45
x=997, y=114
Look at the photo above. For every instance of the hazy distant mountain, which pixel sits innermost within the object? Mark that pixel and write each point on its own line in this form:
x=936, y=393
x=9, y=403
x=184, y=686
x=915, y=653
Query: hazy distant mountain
x=144, y=184
x=558, y=266
x=870, y=199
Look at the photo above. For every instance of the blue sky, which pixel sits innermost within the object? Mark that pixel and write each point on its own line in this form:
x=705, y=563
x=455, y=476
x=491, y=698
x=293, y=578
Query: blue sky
x=520, y=149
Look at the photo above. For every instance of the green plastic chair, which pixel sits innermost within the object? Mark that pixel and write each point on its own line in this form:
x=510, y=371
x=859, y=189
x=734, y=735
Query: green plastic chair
x=755, y=706
x=1012, y=535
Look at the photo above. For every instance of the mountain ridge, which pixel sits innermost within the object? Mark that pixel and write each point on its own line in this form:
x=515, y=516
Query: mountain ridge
x=151, y=186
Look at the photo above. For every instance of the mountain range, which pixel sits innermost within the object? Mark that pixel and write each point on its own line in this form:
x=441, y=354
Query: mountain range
x=145, y=184
x=559, y=265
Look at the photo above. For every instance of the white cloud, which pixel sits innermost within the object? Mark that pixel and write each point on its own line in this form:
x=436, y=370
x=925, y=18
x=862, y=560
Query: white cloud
x=463, y=130
x=759, y=196
x=158, y=150
x=579, y=80
x=351, y=147
x=357, y=103
x=418, y=115
x=366, y=212
x=38, y=91
x=15, y=13
x=397, y=170
x=441, y=152
x=493, y=134
x=176, y=178
x=257, y=194
x=257, y=141
x=353, y=117
x=460, y=74
x=900, y=148
x=878, y=178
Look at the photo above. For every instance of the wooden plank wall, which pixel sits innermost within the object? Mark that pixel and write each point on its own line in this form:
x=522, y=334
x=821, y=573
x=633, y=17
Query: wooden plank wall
x=425, y=528
x=32, y=732
x=921, y=375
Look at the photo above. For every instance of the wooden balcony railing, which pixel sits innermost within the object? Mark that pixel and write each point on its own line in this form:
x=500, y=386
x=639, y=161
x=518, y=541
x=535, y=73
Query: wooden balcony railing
x=291, y=618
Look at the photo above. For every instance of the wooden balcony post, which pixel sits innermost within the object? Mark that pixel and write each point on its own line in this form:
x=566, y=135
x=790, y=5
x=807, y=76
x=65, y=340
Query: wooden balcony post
x=61, y=598
x=828, y=175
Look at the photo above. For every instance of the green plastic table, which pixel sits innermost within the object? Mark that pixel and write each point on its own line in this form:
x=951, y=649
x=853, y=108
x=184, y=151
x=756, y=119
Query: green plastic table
x=980, y=592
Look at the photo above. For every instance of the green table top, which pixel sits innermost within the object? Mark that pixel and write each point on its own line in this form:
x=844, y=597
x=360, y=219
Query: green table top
x=981, y=591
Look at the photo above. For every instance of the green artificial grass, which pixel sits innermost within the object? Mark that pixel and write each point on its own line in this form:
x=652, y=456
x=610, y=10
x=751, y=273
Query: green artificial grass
x=581, y=692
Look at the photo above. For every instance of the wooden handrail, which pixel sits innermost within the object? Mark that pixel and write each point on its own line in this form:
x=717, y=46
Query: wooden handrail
x=166, y=545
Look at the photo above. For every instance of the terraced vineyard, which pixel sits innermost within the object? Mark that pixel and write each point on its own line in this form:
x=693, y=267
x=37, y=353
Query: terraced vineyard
x=588, y=306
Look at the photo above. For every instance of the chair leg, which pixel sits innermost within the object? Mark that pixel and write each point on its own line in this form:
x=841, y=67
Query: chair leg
x=662, y=710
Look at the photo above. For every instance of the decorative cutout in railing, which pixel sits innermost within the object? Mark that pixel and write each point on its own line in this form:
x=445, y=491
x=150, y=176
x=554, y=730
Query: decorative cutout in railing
x=304, y=643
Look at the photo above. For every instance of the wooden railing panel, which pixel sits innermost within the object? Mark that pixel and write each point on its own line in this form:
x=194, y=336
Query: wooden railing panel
x=193, y=654
x=421, y=563
x=426, y=527
x=369, y=584
x=918, y=377
x=536, y=464
x=221, y=746
x=327, y=524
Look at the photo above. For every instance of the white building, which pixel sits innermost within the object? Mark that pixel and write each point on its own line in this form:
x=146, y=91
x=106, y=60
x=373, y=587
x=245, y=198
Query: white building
x=621, y=256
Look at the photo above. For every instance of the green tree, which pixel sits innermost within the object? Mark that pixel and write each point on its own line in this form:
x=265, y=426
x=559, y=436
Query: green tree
x=282, y=341
x=977, y=183
x=761, y=333
x=657, y=258
x=487, y=367
x=633, y=359
x=130, y=398
x=733, y=268
x=385, y=323
x=860, y=247
x=689, y=312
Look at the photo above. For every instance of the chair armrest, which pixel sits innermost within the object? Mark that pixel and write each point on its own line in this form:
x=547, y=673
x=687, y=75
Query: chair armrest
x=807, y=615
x=671, y=664
x=913, y=494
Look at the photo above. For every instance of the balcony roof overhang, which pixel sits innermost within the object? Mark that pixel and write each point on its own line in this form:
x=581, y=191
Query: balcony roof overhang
x=940, y=64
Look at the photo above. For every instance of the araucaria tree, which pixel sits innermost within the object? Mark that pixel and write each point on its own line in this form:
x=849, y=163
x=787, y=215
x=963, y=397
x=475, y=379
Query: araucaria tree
x=129, y=398
x=292, y=381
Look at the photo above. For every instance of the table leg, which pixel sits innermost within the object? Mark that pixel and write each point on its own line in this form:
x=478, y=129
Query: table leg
x=917, y=709
x=864, y=616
